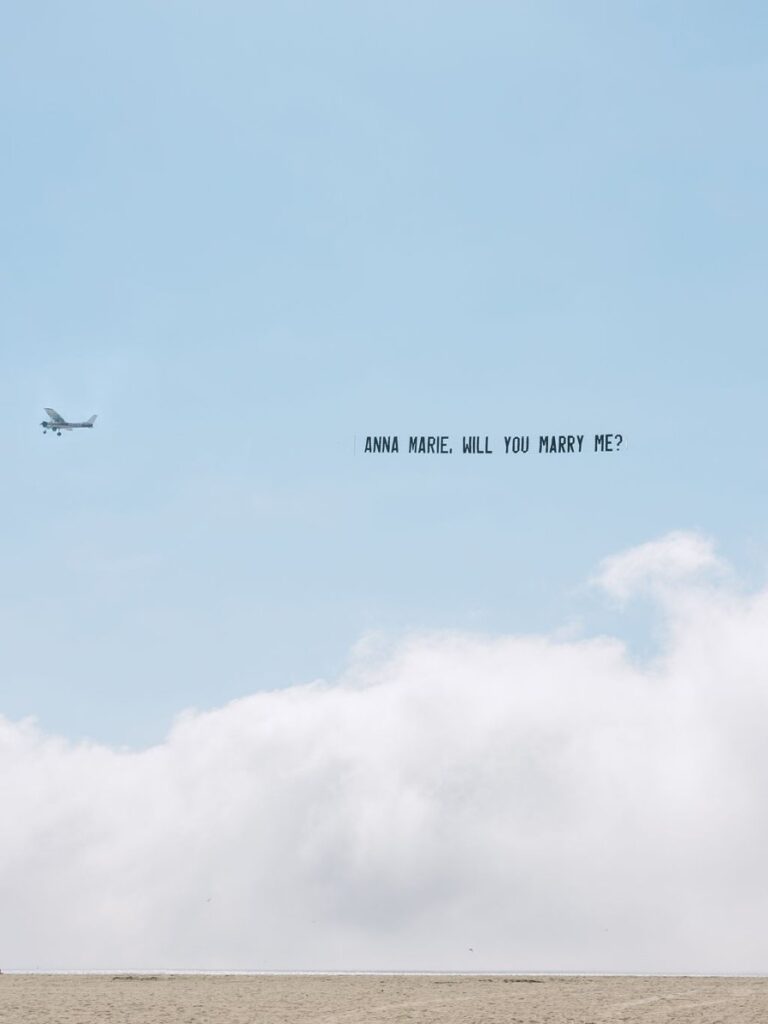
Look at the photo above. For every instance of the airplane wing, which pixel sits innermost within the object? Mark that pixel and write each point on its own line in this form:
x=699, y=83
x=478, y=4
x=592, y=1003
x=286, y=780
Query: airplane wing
x=55, y=416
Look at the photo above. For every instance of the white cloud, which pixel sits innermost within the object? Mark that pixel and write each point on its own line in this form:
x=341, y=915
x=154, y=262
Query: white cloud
x=669, y=560
x=550, y=804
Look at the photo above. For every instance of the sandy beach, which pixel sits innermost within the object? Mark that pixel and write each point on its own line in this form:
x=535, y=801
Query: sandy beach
x=328, y=999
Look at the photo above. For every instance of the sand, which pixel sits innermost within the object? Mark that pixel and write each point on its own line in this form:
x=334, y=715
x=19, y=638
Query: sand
x=328, y=999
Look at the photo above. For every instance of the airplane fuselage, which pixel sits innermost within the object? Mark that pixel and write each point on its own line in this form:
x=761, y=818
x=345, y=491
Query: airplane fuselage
x=49, y=425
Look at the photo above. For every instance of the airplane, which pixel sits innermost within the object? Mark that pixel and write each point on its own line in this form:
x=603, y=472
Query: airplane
x=58, y=423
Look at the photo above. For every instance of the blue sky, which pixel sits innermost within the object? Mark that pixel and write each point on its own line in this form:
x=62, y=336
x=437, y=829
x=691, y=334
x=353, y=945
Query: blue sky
x=244, y=234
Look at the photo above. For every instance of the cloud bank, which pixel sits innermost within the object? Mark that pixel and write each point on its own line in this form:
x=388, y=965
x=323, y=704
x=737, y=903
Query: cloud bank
x=458, y=802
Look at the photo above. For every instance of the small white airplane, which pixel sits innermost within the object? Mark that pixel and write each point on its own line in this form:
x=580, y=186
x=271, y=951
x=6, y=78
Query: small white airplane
x=58, y=423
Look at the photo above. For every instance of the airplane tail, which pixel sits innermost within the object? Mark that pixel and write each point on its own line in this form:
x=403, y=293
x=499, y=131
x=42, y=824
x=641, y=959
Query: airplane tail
x=91, y=421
